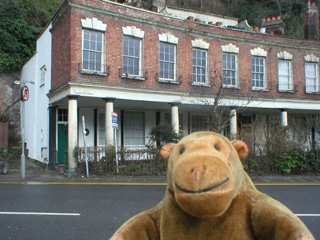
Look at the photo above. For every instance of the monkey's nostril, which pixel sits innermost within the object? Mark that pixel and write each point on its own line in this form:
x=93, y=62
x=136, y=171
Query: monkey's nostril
x=204, y=168
x=192, y=170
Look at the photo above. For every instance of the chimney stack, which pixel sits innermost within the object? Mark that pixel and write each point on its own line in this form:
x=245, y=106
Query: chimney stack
x=273, y=25
x=311, y=21
x=158, y=5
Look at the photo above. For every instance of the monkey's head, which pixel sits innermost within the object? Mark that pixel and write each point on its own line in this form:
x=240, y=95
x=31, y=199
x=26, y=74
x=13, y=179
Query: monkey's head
x=205, y=172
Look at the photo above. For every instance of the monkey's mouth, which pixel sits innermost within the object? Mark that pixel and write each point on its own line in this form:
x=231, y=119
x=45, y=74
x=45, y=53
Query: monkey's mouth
x=203, y=190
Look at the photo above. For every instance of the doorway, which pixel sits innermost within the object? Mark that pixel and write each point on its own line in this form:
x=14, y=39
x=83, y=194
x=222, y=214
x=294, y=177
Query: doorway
x=63, y=143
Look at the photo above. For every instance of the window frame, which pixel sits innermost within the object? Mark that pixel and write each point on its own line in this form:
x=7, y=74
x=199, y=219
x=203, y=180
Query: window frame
x=43, y=71
x=235, y=70
x=316, y=85
x=264, y=82
x=197, y=75
x=174, y=62
x=288, y=76
x=140, y=65
x=102, y=52
x=198, y=116
x=125, y=129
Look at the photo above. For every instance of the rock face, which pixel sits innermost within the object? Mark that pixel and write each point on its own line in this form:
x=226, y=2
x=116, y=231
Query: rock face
x=4, y=167
x=10, y=106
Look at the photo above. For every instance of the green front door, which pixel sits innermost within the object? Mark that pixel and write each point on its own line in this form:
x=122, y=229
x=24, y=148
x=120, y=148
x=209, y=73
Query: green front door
x=62, y=143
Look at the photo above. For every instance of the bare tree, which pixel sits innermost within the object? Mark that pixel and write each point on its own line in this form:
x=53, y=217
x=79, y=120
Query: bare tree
x=218, y=104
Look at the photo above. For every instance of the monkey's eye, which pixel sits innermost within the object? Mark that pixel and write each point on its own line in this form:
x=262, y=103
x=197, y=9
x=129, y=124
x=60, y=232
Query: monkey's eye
x=217, y=147
x=182, y=150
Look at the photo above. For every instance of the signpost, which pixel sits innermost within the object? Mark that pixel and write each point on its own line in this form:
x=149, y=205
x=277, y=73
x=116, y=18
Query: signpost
x=24, y=96
x=115, y=126
x=24, y=93
x=84, y=143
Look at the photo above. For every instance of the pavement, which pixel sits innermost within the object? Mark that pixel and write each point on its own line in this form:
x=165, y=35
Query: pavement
x=37, y=173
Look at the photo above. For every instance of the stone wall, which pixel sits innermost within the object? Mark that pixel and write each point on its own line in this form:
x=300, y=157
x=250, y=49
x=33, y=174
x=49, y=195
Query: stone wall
x=10, y=106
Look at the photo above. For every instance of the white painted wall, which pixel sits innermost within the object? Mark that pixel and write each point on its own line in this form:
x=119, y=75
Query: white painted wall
x=36, y=108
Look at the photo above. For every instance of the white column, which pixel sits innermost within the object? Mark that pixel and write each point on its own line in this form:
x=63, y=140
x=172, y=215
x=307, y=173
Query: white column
x=233, y=124
x=284, y=117
x=72, y=133
x=175, y=116
x=108, y=121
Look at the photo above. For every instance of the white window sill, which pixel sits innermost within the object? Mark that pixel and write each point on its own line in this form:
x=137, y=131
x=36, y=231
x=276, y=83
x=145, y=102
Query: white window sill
x=312, y=92
x=200, y=84
x=286, y=91
x=171, y=81
x=90, y=72
x=260, y=89
x=133, y=77
x=230, y=86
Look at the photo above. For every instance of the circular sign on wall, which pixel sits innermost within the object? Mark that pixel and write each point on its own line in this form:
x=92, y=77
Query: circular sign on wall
x=25, y=93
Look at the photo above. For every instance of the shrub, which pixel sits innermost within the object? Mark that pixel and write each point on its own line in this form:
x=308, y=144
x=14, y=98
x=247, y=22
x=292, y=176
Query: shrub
x=164, y=133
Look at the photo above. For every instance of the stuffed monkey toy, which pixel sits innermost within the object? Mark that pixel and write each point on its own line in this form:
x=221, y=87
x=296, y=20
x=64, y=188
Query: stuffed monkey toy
x=210, y=196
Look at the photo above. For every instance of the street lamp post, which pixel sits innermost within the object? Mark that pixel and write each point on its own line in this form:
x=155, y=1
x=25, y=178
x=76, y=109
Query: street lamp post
x=24, y=96
x=23, y=156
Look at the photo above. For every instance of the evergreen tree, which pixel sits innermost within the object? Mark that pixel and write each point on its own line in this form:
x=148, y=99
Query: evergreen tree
x=21, y=23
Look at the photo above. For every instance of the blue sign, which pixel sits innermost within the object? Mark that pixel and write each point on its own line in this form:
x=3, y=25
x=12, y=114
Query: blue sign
x=115, y=124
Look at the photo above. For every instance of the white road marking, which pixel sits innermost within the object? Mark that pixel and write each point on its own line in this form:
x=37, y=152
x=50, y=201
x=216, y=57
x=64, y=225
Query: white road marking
x=308, y=215
x=40, y=213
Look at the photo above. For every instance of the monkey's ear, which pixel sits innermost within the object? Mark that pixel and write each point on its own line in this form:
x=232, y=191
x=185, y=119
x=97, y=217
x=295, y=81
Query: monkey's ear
x=242, y=149
x=166, y=150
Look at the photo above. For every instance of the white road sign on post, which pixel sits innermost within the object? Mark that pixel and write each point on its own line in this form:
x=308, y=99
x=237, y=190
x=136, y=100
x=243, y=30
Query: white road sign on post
x=115, y=126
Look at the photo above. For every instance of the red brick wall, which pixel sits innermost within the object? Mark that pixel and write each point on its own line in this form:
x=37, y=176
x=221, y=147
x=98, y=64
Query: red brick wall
x=311, y=21
x=61, y=49
x=67, y=44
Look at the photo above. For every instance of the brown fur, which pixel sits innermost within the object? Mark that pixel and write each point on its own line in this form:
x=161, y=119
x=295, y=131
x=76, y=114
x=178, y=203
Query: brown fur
x=210, y=196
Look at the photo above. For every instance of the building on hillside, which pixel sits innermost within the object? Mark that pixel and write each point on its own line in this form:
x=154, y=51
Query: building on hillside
x=98, y=57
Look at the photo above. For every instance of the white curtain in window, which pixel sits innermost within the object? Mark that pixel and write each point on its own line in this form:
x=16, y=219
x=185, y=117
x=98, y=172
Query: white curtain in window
x=312, y=77
x=134, y=129
x=285, y=82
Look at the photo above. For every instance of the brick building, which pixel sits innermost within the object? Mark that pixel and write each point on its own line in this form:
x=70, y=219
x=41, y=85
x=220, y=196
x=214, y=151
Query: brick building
x=97, y=57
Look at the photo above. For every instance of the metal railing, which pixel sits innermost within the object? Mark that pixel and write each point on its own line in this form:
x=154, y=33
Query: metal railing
x=144, y=161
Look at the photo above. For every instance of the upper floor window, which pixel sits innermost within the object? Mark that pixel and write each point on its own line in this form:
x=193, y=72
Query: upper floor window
x=258, y=68
x=312, y=74
x=285, y=72
x=312, y=77
x=200, y=61
x=132, y=56
x=93, y=49
x=132, y=51
x=43, y=71
x=167, y=61
x=230, y=65
x=258, y=72
x=168, y=58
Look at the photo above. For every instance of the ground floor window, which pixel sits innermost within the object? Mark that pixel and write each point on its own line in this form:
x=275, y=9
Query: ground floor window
x=102, y=129
x=134, y=128
x=62, y=115
x=199, y=123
